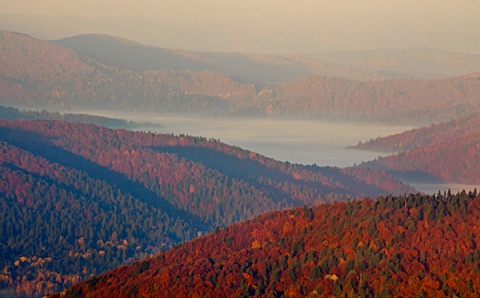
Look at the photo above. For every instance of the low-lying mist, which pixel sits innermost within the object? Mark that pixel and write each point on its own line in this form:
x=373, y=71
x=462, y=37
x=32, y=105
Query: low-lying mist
x=296, y=141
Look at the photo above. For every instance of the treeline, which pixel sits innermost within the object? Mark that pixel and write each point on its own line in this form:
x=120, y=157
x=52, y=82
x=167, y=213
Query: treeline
x=10, y=113
x=425, y=136
x=446, y=152
x=85, y=198
x=409, y=246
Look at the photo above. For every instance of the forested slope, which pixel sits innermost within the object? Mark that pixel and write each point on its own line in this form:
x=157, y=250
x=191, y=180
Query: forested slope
x=408, y=246
x=456, y=161
x=424, y=136
x=388, y=101
x=446, y=152
x=84, y=198
x=59, y=225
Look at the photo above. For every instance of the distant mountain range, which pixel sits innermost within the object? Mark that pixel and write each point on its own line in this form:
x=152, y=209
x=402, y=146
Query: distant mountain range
x=79, y=199
x=408, y=246
x=129, y=55
x=262, y=68
x=285, y=35
x=130, y=76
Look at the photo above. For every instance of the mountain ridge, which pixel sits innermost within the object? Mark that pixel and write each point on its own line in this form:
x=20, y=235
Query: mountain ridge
x=393, y=246
x=258, y=69
x=95, y=198
x=64, y=79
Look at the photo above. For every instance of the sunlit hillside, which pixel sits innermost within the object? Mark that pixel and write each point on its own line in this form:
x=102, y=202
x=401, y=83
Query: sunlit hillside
x=408, y=246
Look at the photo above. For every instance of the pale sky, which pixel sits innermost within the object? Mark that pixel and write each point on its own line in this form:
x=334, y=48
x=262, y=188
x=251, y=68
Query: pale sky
x=261, y=25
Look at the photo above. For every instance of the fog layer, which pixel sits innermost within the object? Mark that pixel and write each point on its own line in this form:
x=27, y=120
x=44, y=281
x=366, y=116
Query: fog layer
x=257, y=26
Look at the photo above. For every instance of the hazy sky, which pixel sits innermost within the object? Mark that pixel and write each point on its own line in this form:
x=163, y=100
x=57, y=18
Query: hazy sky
x=261, y=25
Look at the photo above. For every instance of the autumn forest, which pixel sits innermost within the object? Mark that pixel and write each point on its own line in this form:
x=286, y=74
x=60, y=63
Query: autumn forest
x=92, y=206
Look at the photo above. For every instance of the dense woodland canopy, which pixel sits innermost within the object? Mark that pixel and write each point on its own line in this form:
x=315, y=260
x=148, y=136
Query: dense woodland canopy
x=79, y=199
x=409, y=246
x=59, y=224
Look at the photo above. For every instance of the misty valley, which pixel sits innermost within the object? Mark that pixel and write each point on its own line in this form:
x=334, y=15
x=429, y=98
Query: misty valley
x=129, y=170
x=296, y=141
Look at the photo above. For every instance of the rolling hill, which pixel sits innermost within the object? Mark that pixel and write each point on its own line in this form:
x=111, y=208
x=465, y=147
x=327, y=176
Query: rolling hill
x=35, y=73
x=388, y=101
x=455, y=161
x=79, y=199
x=42, y=74
x=408, y=246
x=447, y=152
x=257, y=69
x=129, y=55
x=261, y=69
x=424, y=136
x=421, y=63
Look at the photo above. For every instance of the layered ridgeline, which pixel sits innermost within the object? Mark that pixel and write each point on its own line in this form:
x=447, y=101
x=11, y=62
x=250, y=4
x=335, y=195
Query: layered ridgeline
x=35, y=73
x=79, y=199
x=409, y=246
x=446, y=152
x=262, y=68
x=258, y=69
